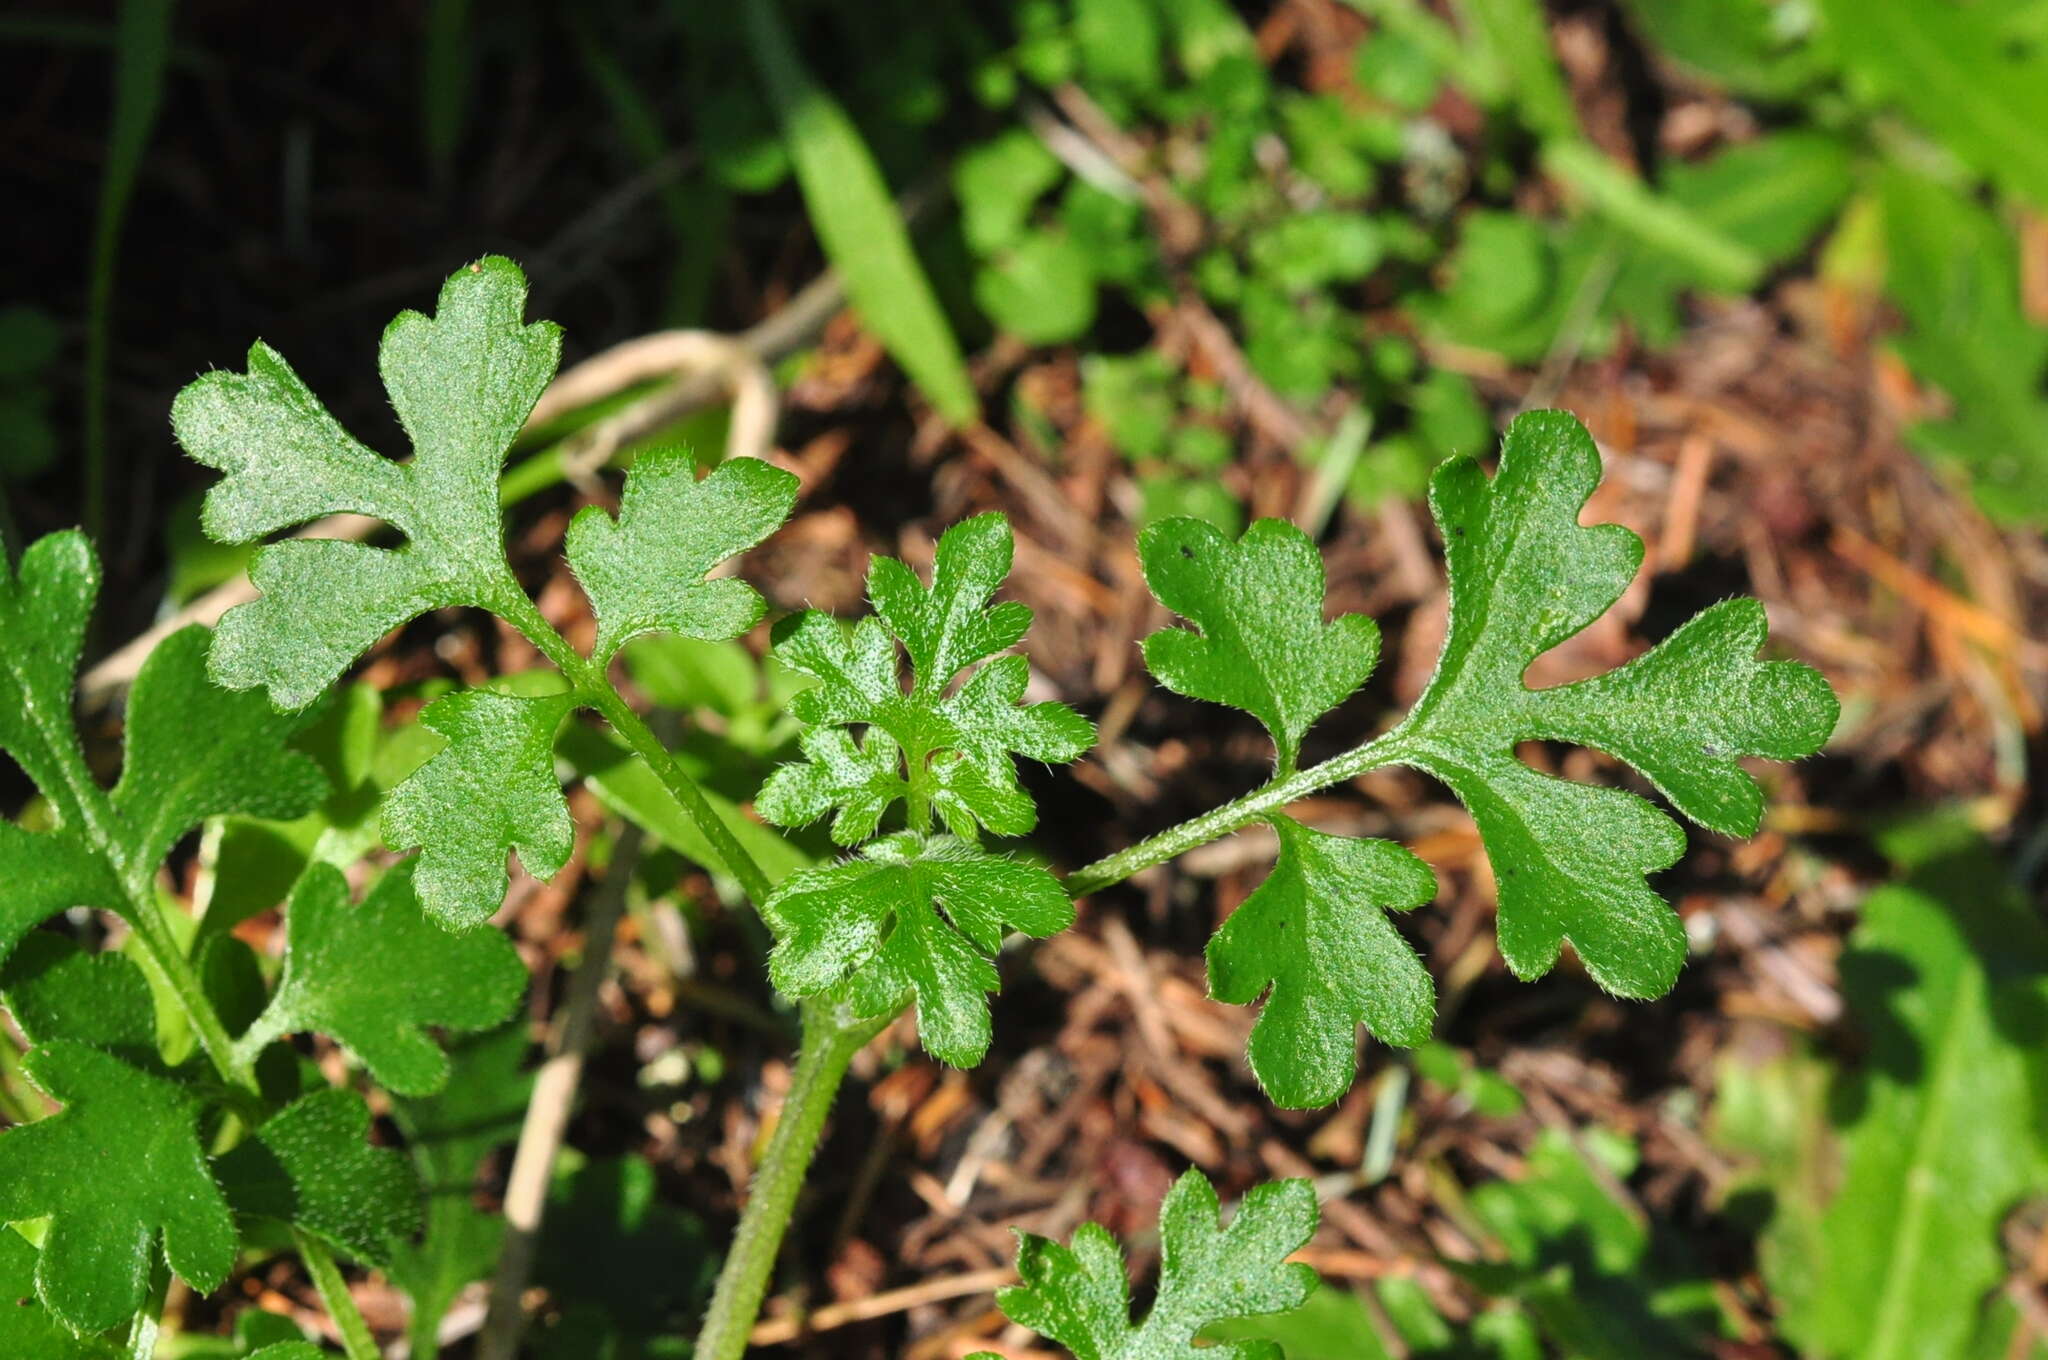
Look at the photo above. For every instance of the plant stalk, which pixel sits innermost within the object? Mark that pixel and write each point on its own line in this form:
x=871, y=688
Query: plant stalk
x=829, y=1043
x=595, y=688
x=356, y=1341
x=1390, y=749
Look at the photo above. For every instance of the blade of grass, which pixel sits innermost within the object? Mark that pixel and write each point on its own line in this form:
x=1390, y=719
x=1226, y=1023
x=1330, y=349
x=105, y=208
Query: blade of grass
x=1633, y=207
x=856, y=220
x=142, y=48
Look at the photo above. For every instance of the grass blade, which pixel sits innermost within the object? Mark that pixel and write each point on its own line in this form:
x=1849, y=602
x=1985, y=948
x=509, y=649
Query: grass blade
x=857, y=222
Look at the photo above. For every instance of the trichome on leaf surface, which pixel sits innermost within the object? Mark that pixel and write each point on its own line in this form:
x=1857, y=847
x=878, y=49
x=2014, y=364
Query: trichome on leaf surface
x=909, y=742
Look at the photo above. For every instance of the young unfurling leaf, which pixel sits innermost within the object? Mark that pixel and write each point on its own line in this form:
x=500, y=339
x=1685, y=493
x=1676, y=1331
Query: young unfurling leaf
x=339, y=963
x=462, y=382
x=644, y=571
x=1571, y=858
x=1263, y=645
x=912, y=918
x=491, y=789
x=1080, y=1296
x=1316, y=933
x=946, y=753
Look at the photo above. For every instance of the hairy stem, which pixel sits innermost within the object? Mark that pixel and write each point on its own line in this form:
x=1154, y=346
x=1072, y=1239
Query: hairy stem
x=356, y=1341
x=829, y=1043
x=595, y=689
x=1235, y=815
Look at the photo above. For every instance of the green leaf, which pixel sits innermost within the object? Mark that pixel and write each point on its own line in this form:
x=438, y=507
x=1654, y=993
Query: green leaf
x=998, y=183
x=340, y=963
x=1571, y=858
x=44, y=606
x=311, y=1166
x=462, y=382
x=193, y=750
x=57, y=990
x=1585, y=1264
x=27, y=1328
x=1316, y=933
x=651, y=1280
x=197, y=751
x=644, y=570
x=450, y=1134
x=1263, y=645
x=137, y=1133
x=1963, y=72
x=912, y=918
x=490, y=790
x=1954, y=273
x=1886, y=1242
x=856, y=222
x=952, y=753
x=1040, y=289
x=1080, y=1296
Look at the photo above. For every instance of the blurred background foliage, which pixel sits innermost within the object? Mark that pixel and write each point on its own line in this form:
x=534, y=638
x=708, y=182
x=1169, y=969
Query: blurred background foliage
x=1268, y=258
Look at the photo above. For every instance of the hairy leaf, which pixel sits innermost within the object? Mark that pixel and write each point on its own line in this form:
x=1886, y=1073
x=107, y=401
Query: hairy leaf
x=462, y=382
x=27, y=1327
x=644, y=571
x=949, y=753
x=340, y=962
x=56, y=990
x=1316, y=933
x=1263, y=645
x=1571, y=858
x=193, y=751
x=492, y=789
x=197, y=751
x=138, y=1135
x=1080, y=1296
x=311, y=1165
x=912, y=918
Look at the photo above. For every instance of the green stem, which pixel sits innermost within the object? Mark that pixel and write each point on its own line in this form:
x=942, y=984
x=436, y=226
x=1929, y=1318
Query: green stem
x=595, y=688
x=356, y=1341
x=1237, y=814
x=829, y=1043
x=153, y=927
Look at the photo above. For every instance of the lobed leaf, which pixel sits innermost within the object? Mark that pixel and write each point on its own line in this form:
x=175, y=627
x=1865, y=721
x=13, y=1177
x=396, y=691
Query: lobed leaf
x=911, y=918
x=1316, y=934
x=193, y=751
x=462, y=383
x=1080, y=1295
x=55, y=990
x=341, y=961
x=490, y=790
x=138, y=1133
x=1571, y=859
x=311, y=1165
x=27, y=1327
x=1263, y=645
x=644, y=571
x=197, y=751
x=949, y=753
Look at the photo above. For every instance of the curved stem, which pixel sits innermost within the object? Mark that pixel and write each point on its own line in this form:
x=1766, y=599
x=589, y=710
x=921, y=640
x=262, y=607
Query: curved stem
x=356, y=1341
x=1235, y=815
x=595, y=689
x=829, y=1044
